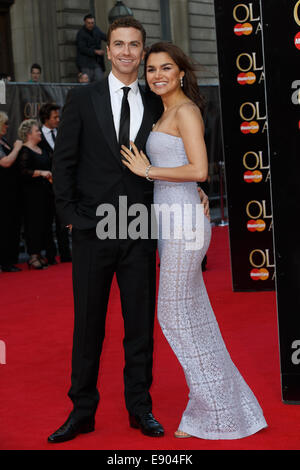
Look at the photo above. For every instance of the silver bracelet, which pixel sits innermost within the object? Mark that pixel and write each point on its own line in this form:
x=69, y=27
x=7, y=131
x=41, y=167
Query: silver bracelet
x=147, y=172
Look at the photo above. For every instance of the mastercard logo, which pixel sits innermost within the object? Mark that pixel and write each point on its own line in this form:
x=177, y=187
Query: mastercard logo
x=258, y=225
x=297, y=40
x=249, y=127
x=261, y=274
x=253, y=176
x=246, y=78
x=245, y=28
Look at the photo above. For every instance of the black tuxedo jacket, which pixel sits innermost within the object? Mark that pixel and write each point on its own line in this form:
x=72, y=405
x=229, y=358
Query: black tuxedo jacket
x=87, y=166
x=44, y=145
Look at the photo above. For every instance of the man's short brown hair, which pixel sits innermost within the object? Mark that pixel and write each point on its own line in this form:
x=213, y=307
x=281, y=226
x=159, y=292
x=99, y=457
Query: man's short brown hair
x=126, y=22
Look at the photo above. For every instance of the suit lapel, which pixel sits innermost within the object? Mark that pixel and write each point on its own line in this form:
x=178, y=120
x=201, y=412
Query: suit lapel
x=100, y=97
x=101, y=102
x=45, y=144
x=146, y=125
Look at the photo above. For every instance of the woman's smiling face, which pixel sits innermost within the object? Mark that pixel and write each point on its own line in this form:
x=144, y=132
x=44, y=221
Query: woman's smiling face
x=162, y=73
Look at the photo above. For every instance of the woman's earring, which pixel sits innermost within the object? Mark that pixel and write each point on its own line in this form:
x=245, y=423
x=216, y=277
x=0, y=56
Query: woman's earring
x=181, y=82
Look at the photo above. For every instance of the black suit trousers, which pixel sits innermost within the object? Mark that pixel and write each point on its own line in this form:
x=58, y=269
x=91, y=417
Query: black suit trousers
x=94, y=264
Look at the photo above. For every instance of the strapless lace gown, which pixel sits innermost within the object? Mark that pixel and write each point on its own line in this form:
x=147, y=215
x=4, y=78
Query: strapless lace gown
x=221, y=405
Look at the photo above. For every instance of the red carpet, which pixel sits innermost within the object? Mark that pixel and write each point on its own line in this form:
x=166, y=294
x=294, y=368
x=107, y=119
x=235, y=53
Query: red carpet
x=36, y=323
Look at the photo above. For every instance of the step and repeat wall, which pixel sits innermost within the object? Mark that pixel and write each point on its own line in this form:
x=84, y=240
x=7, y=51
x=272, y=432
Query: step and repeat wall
x=245, y=139
x=259, y=69
x=281, y=33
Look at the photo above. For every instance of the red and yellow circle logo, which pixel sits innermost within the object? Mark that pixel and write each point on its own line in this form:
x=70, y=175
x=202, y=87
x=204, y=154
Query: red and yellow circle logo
x=253, y=176
x=247, y=78
x=297, y=40
x=258, y=225
x=249, y=127
x=261, y=274
x=243, y=29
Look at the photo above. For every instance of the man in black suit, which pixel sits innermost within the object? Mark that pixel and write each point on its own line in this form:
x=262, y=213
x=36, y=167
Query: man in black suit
x=49, y=117
x=87, y=172
x=90, y=55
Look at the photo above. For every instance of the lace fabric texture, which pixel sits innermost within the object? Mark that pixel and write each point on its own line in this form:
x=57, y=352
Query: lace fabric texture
x=221, y=405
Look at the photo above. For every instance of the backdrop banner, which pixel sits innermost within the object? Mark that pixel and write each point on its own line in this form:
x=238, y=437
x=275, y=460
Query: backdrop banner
x=245, y=144
x=24, y=100
x=281, y=32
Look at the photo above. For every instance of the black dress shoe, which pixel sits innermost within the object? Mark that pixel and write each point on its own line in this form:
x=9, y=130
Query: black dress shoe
x=71, y=428
x=52, y=261
x=147, y=424
x=11, y=269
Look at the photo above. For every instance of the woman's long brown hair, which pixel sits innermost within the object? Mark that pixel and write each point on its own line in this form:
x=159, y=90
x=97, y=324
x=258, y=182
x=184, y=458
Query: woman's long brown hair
x=190, y=86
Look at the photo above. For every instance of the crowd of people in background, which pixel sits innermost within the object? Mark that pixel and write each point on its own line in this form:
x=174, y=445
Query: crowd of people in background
x=28, y=208
x=26, y=192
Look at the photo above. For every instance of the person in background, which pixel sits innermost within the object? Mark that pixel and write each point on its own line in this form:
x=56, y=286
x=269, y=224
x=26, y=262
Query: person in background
x=83, y=78
x=35, y=71
x=49, y=117
x=10, y=213
x=5, y=77
x=35, y=168
x=90, y=55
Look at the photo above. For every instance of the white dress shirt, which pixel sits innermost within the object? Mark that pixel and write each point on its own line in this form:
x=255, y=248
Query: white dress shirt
x=135, y=103
x=47, y=133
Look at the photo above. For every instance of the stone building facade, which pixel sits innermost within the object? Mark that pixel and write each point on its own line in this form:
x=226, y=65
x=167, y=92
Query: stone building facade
x=44, y=31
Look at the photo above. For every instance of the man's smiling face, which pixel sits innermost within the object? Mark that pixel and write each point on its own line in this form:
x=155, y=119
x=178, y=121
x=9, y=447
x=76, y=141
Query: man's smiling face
x=125, y=51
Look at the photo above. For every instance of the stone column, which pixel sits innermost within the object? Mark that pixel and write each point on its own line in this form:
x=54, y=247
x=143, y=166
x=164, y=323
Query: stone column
x=34, y=39
x=69, y=15
x=180, y=24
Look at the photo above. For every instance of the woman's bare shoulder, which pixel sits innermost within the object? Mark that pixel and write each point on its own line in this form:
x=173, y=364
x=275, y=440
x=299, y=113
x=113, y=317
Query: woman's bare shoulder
x=189, y=113
x=188, y=109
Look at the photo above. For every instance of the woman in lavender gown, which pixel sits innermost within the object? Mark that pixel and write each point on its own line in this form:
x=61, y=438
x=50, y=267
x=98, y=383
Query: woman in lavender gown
x=221, y=405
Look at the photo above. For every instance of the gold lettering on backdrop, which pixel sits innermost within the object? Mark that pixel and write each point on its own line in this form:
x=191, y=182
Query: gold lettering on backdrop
x=27, y=110
x=252, y=62
x=268, y=259
x=241, y=20
x=247, y=165
x=263, y=257
x=296, y=13
x=31, y=110
x=265, y=210
x=257, y=104
x=259, y=28
x=242, y=13
x=258, y=160
x=262, y=77
x=261, y=162
x=250, y=65
x=251, y=13
x=260, y=209
x=265, y=127
x=242, y=111
x=256, y=111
